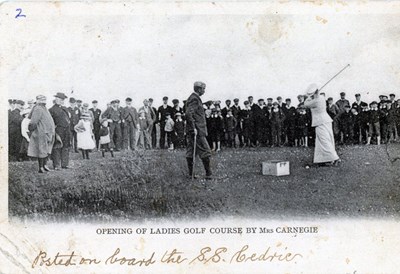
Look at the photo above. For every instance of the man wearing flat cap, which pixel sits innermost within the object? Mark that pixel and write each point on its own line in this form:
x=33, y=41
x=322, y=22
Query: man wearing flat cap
x=197, y=126
x=162, y=118
x=62, y=122
x=236, y=110
x=131, y=126
x=14, y=130
x=357, y=103
x=392, y=99
x=342, y=103
x=96, y=122
x=114, y=115
x=75, y=113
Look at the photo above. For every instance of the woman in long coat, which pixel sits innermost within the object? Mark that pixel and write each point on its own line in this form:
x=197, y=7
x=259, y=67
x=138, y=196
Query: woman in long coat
x=43, y=133
x=324, y=141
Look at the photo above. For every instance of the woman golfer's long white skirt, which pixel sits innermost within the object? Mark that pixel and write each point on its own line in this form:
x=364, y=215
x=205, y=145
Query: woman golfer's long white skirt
x=324, y=144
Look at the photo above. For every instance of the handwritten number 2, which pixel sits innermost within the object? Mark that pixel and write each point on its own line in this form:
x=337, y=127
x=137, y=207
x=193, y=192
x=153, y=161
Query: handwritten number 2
x=19, y=13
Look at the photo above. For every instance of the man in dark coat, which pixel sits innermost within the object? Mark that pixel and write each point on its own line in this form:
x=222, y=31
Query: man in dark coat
x=96, y=122
x=289, y=122
x=114, y=116
x=236, y=111
x=130, y=115
x=153, y=128
x=75, y=114
x=197, y=126
x=62, y=122
x=162, y=118
x=14, y=130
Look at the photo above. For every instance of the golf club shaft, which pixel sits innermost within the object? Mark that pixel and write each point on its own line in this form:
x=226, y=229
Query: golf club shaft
x=348, y=65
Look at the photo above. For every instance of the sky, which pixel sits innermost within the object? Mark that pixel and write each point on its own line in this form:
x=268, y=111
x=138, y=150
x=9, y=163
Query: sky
x=141, y=56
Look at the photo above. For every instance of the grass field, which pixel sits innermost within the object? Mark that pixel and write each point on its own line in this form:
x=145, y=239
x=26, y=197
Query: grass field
x=153, y=184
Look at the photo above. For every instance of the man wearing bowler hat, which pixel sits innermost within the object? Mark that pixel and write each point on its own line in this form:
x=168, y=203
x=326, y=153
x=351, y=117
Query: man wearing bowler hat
x=196, y=126
x=61, y=117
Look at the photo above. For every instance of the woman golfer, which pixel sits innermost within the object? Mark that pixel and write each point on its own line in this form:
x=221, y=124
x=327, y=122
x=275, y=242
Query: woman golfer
x=325, y=152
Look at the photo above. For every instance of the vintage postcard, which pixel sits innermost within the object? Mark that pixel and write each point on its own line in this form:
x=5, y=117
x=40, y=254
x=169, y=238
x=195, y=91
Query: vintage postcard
x=200, y=137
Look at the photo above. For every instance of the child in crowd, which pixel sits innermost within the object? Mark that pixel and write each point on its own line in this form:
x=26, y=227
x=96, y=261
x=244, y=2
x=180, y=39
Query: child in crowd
x=374, y=125
x=216, y=129
x=302, y=122
x=169, y=129
x=179, y=129
x=391, y=122
x=356, y=126
x=25, y=134
x=230, y=128
x=276, y=120
x=105, y=140
x=383, y=121
x=246, y=116
x=85, y=137
x=144, y=135
x=346, y=125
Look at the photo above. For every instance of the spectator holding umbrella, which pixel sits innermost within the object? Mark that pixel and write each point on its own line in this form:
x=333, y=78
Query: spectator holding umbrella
x=42, y=130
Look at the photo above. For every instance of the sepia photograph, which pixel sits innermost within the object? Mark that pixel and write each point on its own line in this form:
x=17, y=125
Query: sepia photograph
x=191, y=116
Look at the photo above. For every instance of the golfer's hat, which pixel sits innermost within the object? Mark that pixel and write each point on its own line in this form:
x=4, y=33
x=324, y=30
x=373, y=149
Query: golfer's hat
x=392, y=95
x=236, y=100
x=94, y=102
x=342, y=93
x=358, y=95
x=79, y=101
x=165, y=98
x=128, y=99
x=72, y=100
x=175, y=101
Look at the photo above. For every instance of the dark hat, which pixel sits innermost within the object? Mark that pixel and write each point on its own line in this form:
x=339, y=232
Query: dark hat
x=10, y=101
x=261, y=100
x=250, y=97
x=128, y=99
x=113, y=102
x=373, y=103
x=358, y=95
x=363, y=104
x=270, y=99
x=275, y=104
x=228, y=100
x=178, y=114
x=94, y=102
x=288, y=100
x=72, y=100
x=347, y=106
x=392, y=95
x=380, y=96
x=14, y=100
x=342, y=94
x=279, y=98
x=388, y=102
x=150, y=99
x=175, y=101
x=61, y=95
x=236, y=100
x=165, y=98
x=20, y=102
x=79, y=101
x=246, y=102
x=330, y=99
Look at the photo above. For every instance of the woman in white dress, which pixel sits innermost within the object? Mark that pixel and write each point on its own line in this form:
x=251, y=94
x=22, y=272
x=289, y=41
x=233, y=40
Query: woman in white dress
x=325, y=152
x=85, y=137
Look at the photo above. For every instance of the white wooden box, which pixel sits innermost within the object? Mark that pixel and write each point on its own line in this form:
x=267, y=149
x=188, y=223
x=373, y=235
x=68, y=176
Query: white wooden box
x=276, y=168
